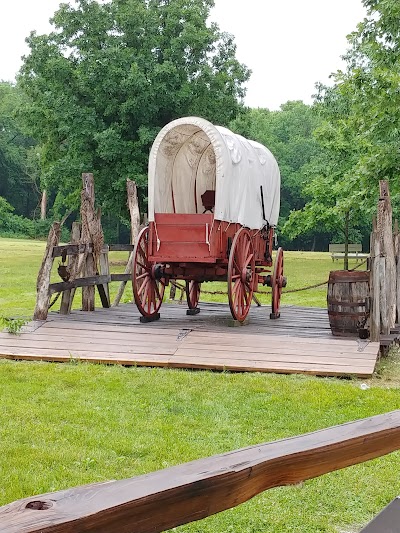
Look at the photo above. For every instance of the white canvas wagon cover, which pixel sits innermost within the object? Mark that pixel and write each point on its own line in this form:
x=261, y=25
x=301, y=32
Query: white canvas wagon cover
x=191, y=156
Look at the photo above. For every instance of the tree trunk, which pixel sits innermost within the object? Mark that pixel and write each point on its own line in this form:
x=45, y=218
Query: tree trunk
x=346, y=240
x=43, y=205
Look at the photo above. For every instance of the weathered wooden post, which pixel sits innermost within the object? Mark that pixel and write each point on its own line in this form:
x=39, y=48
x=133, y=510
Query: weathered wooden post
x=73, y=260
x=43, y=279
x=104, y=267
x=375, y=314
x=91, y=233
x=387, y=262
x=396, y=243
x=133, y=205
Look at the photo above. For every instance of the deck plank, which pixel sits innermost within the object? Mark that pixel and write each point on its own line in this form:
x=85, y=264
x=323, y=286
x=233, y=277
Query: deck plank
x=299, y=342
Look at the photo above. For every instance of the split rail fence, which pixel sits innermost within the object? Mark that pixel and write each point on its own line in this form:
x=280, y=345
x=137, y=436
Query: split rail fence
x=85, y=260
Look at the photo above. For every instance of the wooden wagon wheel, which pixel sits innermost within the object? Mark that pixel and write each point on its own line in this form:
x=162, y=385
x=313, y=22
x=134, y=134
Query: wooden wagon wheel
x=278, y=282
x=192, y=294
x=147, y=290
x=241, y=274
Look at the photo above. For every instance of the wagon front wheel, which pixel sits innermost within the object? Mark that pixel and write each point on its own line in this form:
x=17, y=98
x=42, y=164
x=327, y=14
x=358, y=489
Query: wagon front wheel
x=278, y=282
x=148, y=291
x=241, y=274
x=192, y=294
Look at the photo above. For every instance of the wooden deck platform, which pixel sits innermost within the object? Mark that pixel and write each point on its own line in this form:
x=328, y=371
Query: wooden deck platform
x=299, y=342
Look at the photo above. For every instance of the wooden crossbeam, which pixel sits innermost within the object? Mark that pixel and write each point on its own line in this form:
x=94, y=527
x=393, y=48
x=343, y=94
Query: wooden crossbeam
x=89, y=281
x=76, y=249
x=168, y=498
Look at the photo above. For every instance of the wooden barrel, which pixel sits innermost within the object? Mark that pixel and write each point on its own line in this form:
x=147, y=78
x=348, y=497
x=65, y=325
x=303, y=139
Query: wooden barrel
x=348, y=301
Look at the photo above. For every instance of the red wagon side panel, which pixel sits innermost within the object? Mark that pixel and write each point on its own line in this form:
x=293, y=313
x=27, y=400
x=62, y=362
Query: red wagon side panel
x=182, y=238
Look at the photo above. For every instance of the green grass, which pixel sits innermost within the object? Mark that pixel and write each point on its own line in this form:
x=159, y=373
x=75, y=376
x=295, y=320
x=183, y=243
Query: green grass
x=20, y=262
x=71, y=424
x=66, y=425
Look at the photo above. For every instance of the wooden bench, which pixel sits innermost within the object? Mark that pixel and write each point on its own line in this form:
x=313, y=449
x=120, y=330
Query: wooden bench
x=355, y=252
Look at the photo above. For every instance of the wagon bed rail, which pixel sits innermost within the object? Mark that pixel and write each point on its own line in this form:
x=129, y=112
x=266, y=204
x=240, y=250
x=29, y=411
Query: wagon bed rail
x=168, y=498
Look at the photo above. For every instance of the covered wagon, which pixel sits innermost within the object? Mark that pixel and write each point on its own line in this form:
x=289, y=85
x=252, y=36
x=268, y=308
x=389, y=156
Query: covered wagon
x=213, y=204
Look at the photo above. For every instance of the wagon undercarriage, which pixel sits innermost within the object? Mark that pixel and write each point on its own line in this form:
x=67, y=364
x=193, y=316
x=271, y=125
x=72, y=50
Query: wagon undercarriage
x=240, y=268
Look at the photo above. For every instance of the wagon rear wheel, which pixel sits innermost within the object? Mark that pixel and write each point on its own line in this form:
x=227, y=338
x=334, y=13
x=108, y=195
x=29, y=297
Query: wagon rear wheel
x=192, y=294
x=241, y=274
x=278, y=282
x=147, y=290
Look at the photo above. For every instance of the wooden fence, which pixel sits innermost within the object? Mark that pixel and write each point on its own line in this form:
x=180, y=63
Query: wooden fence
x=168, y=498
x=384, y=269
x=85, y=260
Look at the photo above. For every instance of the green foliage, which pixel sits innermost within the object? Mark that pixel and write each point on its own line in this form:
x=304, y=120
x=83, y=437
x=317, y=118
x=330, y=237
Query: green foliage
x=19, y=226
x=289, y=134
x=13, y=325
x=18, y=155
x=360, y=134
x=110, y=76
x=337, y=202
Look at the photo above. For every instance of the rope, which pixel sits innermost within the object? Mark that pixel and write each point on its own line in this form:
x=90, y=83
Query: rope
x=290, y=291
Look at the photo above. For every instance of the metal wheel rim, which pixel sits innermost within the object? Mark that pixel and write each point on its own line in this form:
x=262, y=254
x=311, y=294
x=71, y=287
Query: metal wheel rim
x=147, y=291
x=277, y=280
x=192, y=293
x=241, y=259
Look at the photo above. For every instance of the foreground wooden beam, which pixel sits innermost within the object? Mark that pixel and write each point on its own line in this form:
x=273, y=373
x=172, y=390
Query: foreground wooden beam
x=185, y=493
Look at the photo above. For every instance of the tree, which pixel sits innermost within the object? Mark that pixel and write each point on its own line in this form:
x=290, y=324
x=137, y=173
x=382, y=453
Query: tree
x=371, y=85
x=110, y=76
x=288, y=133
x=336, y=200
x=361, y=134
x=18, y=172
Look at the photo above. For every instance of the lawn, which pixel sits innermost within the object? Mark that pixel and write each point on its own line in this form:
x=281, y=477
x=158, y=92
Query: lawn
x=63, y=425
x=20, y=262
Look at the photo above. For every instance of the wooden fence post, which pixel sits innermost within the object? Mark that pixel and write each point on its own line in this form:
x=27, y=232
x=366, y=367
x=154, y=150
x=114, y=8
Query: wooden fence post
x=43, y=279
x=133, y=205
x=68, y=295
x=91, y=233
x=396, y=243
x=387, y=261
x=104, y=267
x=375, y=321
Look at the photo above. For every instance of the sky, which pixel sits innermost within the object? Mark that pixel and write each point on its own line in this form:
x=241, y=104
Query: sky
x=288, y=44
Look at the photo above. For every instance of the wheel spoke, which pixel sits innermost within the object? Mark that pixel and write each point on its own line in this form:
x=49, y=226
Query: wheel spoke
x=145, y=295
x=248, y=260
x=246, y=296
x=145, y=282
x=157, y=290
x=145, y=267
x=247, y=249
